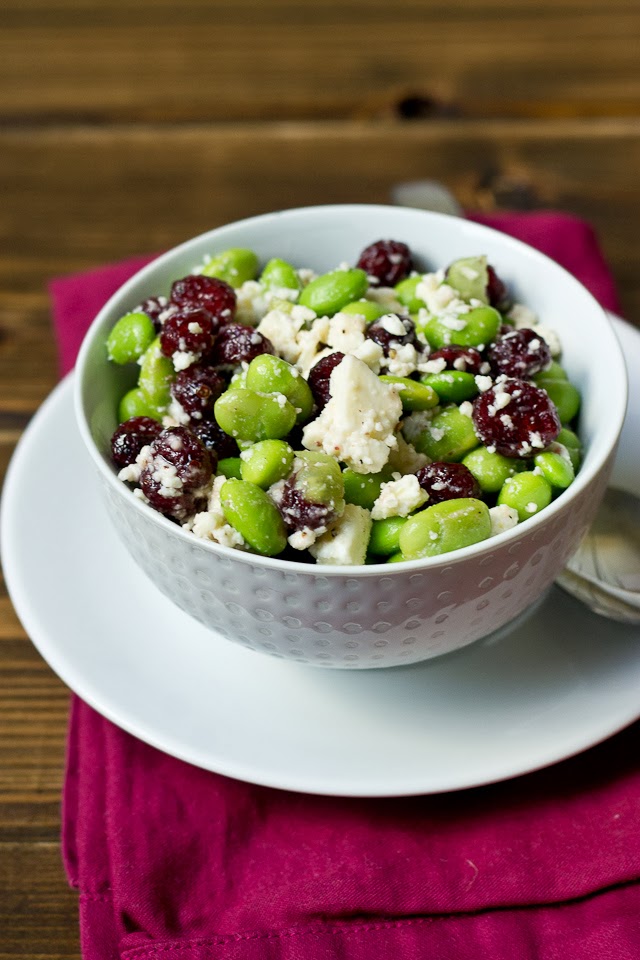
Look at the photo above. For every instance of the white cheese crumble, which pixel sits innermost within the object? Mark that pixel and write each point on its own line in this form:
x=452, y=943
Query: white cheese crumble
x=358, y=423
x=386, y=297
x=183, y=359
x=502, y=518
x=405, y=458
x=399, y=498
x=345, y=542
x=466, y=408
x=416, y=423
x=483, y=383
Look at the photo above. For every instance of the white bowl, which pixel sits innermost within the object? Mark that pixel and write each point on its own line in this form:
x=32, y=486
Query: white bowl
x=379, y=615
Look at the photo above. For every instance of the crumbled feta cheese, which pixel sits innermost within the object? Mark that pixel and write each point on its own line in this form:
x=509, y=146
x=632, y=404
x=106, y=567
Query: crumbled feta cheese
x=502, y=518
x=346, y=332
x=434, y=366
x=416, y=423
x=302, y=539
x=550, y=337
x=399, y=498
x=311, y=343
x=183, y=359
x=483, y=383
x=178, y=415
x=358, y=423
x=345, y=542
x=466, y=408
x=370, y=353
x=403, y=359
x=211, y=523
x=522, y=316
x=252, y=302
x=283, y=329
x=405, y=458
x=531, y=507
x=392, y=324
x=386, y=297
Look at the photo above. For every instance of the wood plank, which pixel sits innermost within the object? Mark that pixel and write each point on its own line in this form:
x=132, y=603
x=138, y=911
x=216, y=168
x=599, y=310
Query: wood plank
x=103, y=61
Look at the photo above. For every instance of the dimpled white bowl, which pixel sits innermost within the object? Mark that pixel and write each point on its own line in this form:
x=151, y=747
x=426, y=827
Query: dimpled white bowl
x=379, y=615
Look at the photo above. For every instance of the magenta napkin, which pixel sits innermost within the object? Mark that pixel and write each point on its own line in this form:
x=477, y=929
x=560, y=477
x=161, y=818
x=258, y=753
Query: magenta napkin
x=174, y=862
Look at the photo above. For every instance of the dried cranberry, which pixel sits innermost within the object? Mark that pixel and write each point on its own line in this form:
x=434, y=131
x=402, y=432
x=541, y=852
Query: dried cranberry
x=389, y=261
x=213, y=295
x=519, y=353
x=153, y=307
x=320, y=375
x=298, y=512
x=497, y=293
x=217, y=442
x=177, y=472
x=465, y=359
x=236, y=344
x=388, y=339
x=130, y=437
x=526, y=422
x=188, y=331
x=196, y=389
x=447, y=481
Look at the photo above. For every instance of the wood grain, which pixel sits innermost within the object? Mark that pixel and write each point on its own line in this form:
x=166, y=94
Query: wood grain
x=239, y=60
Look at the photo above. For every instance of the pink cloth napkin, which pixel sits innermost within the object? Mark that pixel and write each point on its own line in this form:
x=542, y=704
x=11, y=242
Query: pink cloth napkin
x=175, y=862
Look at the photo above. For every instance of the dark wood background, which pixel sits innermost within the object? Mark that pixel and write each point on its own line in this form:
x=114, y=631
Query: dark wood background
x=128, y=127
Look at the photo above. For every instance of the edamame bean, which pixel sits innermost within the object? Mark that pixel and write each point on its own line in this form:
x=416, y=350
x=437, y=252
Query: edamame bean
x=363, y=489
x=452, y=386
x=490, y=469
x=527, y=492
x=481, y=326
x=130, y=337
x=235, y=266
x=327, y=294
x=385, y=535
x=136, y=403
x=156, y=375
x=230, y=467
x=555, y=468
x=553, y=372
x=247, y=415
x=564, y=396
x=413, y=394
x=269, y=374
x=254, y=515
x=571, y=441
x=280, y=275
x=266, y=462
x=449, y=436
x=470, y=277
x=368, y=309
x=407, y=295
x=395, y=558
x=319, y=479
x=449, y=525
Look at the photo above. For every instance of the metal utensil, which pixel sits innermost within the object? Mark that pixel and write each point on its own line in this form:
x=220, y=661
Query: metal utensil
x=604, y=573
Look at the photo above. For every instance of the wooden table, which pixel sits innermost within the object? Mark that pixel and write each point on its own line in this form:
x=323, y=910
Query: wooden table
x=126, y=128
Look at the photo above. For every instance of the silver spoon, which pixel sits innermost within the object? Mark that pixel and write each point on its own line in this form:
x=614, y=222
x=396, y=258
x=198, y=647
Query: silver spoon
x=604, y=573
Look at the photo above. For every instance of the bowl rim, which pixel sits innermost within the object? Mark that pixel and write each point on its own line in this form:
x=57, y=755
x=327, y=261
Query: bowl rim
x=584, y=476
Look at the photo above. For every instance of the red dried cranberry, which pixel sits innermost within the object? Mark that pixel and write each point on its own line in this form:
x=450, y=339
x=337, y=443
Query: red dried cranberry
x=218, y=443
x=526, y=423
x=497, y=293
x=465, y=359
x=196, y=389
x=189, y=331
x=519, y=353
x=388, y=339
x=213, y=295
x=389, y=261
x=179, y=468
x=235, y=343
x=447, y=481
x=298, y=512
x=320, y=375
x=130, y=437
x=153, y=307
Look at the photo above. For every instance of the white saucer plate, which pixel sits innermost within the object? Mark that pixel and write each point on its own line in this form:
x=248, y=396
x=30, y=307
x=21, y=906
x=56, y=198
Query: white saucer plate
x=545, y=688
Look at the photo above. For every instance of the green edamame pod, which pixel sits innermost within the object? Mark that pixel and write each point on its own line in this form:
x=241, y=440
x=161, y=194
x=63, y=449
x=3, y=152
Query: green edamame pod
x=254, y=515
x=449, y=436
x=553, y=372
x=452, y=386
x=235, y=266
x=269, y=374
x=571, y=441
x=469, y=276
x=130, y=337
x=363, y=489
x=449, y=525
x=280, y=275
x=266, y=462
x=480, y=327
x=564, y=396
x=136, y=403
x=556, y=469
x=230, y=467
x=527, y=492
x=247, y=415
x=413, y=394
x=156, y=375
x=395, y=558
x=368, y=309
x=407, y=295
x=490, y=469
x=319, y=479
x=327, y=294
x=385, y=535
